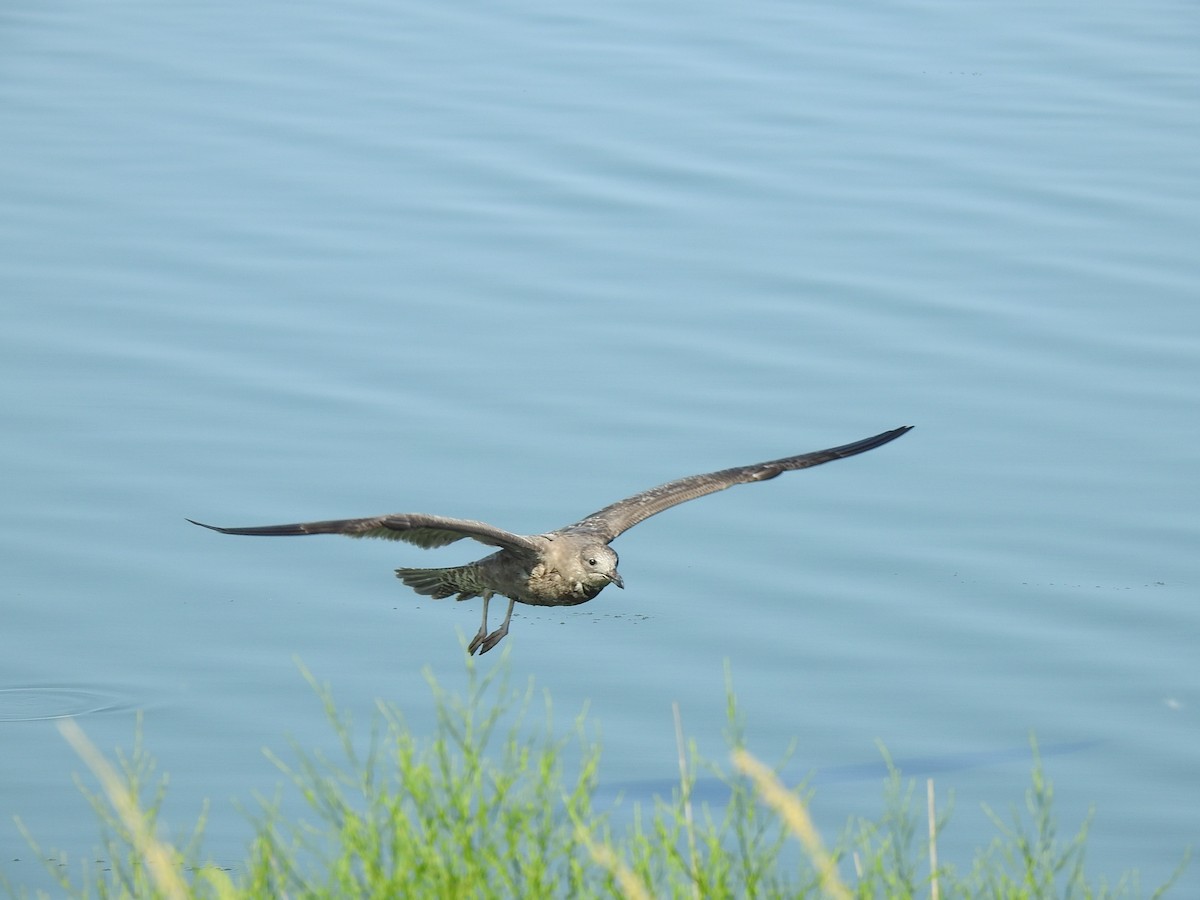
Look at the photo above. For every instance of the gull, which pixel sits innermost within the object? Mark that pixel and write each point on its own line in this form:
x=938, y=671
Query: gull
x=564, y=567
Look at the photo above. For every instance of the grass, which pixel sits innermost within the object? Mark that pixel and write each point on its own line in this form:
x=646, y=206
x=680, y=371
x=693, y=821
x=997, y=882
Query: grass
x=473, y=812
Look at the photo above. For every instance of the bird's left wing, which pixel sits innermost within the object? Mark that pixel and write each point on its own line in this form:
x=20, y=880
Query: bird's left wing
x=415, y=528
x=624, y=514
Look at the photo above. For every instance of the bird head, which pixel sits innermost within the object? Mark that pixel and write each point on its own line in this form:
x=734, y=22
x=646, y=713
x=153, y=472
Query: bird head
x=599, y=564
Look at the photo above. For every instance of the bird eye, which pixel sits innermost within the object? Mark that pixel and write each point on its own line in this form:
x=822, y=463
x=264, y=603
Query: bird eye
x=592, y=561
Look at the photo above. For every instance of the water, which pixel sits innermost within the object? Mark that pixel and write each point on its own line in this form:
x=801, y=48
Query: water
x=513, y=263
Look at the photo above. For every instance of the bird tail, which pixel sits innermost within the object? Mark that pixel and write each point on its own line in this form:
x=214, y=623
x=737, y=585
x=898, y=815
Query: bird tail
x=442, y=583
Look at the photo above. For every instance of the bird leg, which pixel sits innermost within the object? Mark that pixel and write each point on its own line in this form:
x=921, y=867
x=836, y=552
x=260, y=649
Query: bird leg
x=498, y=635
x=482, y=632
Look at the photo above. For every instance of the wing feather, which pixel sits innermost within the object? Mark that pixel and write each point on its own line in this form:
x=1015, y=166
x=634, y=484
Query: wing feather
x=624, y=514
x=415, y=528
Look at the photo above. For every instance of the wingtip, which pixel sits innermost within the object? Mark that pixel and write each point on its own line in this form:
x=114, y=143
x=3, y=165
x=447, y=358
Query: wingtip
x=202, y=525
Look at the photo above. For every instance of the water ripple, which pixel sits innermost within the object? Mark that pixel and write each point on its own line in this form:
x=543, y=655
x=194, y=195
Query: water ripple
x=30, y=704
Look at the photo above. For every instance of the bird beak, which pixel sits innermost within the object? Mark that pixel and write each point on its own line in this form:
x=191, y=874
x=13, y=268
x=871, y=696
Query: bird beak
x=615, y=578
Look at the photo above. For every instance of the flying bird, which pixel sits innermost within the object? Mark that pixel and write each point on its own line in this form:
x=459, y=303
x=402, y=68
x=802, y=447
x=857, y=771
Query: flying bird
x=564, y=567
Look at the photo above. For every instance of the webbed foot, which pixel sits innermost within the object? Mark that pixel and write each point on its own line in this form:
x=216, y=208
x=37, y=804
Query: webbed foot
x=480, y=638
x=493, y=639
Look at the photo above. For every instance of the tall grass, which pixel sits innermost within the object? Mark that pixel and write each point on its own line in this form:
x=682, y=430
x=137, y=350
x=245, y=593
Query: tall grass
x=495, y=804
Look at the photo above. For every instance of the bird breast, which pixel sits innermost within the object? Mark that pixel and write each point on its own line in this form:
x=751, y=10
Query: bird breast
x=546, y=586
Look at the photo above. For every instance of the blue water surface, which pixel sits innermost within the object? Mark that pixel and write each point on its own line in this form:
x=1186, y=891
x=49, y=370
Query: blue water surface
x=515, y=261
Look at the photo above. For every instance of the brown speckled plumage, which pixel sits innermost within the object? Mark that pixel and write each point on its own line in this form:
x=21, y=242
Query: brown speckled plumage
x=565, y=567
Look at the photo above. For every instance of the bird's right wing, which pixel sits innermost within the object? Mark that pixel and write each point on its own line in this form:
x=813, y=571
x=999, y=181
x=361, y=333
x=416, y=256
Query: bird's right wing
x=415, y=528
